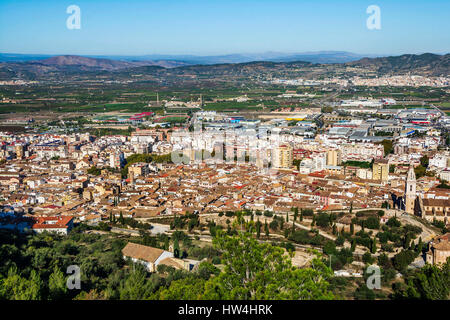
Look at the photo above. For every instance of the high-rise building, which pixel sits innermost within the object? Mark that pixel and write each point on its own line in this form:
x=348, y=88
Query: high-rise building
x=334, y=157
x=282, y=157
x=116, y=159
x=410, y=191
x=380, y=170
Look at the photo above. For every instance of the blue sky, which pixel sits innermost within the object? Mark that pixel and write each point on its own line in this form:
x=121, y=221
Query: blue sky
x=137, y=27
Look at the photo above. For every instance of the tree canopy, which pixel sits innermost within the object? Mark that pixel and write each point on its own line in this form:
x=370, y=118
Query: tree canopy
x=256, y=270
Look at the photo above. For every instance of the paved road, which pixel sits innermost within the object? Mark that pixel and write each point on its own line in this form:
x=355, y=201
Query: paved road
x=322, y=233
x=427, y=233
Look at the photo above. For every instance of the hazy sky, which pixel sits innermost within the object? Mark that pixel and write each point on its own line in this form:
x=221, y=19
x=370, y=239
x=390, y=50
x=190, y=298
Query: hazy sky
x=205, y=27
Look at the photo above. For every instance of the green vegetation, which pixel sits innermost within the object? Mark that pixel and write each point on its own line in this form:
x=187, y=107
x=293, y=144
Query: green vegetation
x=100, y=132
x=33, y=267
x=360, y=164
x=383, y=134
x=427, y=283
x=262, y=271
x=388, y=146
x=147, y=158
x=231, y=106
x=94, y=171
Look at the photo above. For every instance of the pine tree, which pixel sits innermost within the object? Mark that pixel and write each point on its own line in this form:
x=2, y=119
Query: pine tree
x=35, y=285
x=287, y=217
x=135, y=286
x=57, y=284
x=352, y=228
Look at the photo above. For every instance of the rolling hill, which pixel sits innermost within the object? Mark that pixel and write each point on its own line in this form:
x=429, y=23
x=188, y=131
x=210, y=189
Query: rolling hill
x=427, y=64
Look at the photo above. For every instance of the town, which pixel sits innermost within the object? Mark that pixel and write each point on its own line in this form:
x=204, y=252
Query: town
x=311, y=178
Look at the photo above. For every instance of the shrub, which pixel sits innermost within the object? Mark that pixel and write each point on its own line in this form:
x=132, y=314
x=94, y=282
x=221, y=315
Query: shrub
x=323, y=220
x=387, y=247
x=372, y=223
x=367, y=258
x=403, y=259
x=340, y=241
x=393, y=222
x=268, y=214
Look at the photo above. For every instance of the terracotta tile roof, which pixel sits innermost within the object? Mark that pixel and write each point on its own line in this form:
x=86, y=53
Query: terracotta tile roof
x=173, y=262
x=138, y=251
x=443, y=245
x=52, y=222
x=436, y=202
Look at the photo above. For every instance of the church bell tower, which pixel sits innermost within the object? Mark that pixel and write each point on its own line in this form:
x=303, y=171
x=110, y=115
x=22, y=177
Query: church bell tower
x=410, y=191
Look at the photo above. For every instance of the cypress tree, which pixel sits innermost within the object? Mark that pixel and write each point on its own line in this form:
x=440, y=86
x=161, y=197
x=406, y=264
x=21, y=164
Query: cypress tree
x=374, y=245
x=266, y=228
x=353, y=245
x=258, y=229
x=176, y=248
x=166, y=243
x=419, y=246
x=406, y=241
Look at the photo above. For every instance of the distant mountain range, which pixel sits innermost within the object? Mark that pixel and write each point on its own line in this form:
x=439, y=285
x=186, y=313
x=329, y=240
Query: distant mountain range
x=33, y=67
x=159, y=59
x=313, y=57
x=84, y=62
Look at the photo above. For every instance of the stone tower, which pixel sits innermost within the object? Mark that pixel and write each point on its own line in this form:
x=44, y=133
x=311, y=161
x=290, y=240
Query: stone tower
x=410, y=191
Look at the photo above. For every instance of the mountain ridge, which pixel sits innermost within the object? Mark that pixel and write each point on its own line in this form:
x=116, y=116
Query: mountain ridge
x=427, y=63
x=424, y=64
